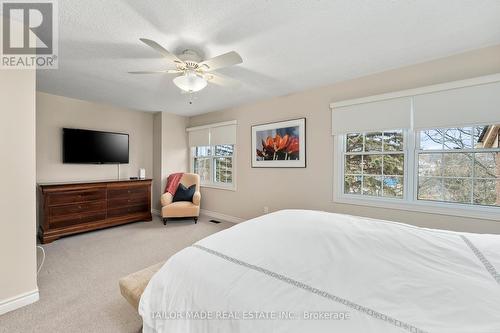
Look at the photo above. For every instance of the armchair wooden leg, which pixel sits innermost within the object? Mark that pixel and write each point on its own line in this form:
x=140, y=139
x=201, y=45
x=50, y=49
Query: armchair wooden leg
x=164, y=221
x=195, y=219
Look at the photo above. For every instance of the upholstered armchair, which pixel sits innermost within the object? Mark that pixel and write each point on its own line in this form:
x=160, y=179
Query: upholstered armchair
x=182, y=208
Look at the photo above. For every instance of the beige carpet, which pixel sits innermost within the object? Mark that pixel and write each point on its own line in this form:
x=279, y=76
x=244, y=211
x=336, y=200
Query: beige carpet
x=79, y=281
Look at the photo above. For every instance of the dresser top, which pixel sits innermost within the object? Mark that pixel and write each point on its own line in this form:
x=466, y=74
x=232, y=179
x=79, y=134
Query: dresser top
x=88, y=182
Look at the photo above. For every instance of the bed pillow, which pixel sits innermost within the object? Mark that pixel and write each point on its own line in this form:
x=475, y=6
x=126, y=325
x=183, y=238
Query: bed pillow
x=184, y=193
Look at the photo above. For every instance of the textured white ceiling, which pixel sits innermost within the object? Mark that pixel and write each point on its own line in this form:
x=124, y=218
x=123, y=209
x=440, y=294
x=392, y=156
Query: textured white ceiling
x=286, y=45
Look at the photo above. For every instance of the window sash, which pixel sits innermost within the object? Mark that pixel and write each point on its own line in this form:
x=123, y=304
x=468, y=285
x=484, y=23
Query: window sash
x=196, y=168
x=214, y=163
x=212, y=157
x=382, y=152
x=364, y=133
x=418, y=137
x=470, y=178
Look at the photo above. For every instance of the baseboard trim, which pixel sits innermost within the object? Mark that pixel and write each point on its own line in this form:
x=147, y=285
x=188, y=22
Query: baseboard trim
x=224, y=217
x=155, y=212
x=19, y=301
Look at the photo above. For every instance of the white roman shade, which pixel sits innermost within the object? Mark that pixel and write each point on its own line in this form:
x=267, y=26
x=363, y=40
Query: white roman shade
x=223, y=135
x=380, y=115
x=478, y=104
x=213, y=134
x=199, y=137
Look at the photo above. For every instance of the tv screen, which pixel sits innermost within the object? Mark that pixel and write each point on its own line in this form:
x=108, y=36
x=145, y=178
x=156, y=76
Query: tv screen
x=94, y=147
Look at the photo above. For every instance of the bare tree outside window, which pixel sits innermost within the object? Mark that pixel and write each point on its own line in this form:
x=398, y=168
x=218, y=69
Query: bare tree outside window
x=460, y=165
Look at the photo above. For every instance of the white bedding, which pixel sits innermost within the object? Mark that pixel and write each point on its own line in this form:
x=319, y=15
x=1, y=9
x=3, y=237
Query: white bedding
x=358, y=275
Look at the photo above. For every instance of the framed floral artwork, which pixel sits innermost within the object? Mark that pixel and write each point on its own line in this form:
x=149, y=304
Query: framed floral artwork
x=279, y=145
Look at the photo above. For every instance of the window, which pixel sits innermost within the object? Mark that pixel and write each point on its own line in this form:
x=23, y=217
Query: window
x=435, y=167
x=213, y=149
x=444, y=159
x=374, y=164
x=459, y=165
x=223, y=164
x=214, y=164
x=202, y=163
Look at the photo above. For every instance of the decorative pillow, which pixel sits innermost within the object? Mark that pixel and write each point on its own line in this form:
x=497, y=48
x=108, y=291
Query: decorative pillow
x=184, y=193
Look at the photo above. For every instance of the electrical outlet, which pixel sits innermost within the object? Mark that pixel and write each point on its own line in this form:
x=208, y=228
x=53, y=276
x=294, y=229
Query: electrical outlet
x=266, y=209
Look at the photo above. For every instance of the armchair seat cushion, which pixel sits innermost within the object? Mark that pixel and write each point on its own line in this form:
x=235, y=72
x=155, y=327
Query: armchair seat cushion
x=180, y=209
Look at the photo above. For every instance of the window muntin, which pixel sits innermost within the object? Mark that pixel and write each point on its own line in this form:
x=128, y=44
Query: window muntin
x=203, y=151
x=214, y=164
x=202, y=166
x=374, y=164
x=201, y=162
x=224, y=150
x=472, y=137
x=223, y=164
x=459, y=165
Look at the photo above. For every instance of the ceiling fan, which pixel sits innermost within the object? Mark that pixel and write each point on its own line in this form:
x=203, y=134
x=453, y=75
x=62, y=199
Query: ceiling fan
x=193, y=72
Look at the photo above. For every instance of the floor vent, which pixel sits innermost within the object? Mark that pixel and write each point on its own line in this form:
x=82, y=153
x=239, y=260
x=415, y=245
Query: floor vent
x=214, y=221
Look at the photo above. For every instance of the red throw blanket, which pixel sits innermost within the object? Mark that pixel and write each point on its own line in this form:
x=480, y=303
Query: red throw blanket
x=173, y=182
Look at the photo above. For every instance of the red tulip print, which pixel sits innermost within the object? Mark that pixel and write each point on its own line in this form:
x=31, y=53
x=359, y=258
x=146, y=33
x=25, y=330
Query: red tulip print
x=279, y=147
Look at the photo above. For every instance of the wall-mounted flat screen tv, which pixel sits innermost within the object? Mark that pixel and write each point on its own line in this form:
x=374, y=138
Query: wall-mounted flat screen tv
x=94, y=147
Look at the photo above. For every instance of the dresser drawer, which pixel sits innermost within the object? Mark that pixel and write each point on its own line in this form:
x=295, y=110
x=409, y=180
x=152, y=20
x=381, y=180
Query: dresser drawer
x=76, y=219
x=117, y=212
x=125, y=202
x=133, y=191
x=70, y=197
x=77, y=208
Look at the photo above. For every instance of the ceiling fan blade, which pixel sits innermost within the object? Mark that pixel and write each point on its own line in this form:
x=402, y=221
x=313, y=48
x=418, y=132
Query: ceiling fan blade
x=221, y=61
x=168, y=71
x=170, y=56
x=221, y=80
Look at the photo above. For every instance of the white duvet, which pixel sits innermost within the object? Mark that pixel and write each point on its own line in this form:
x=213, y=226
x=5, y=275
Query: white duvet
x=310, y=271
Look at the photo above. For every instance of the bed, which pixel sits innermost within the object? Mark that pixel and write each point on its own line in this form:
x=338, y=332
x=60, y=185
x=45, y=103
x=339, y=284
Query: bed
x=311, y=271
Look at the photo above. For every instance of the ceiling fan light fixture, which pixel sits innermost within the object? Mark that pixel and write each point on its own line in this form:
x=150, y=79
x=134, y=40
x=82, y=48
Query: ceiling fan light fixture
x=195, y=73
x=190, y=82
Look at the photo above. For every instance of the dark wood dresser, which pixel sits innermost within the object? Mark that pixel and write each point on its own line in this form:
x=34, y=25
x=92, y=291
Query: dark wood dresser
x=72, y=208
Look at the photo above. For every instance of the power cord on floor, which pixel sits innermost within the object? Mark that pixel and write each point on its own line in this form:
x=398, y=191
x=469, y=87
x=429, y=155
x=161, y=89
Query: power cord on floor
x=43, y=259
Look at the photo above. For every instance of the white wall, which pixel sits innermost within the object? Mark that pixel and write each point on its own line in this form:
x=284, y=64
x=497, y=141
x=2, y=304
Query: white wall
x=55, y=112
x=157, y=160
x=18, y=285
x=311, y=188
x=171, y=150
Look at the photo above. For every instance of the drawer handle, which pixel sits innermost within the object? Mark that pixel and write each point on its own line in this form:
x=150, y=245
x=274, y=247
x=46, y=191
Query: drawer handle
x=80, y=207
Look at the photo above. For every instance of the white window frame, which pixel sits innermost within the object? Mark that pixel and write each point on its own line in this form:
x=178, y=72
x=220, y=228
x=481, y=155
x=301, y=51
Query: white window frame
x=212, y=183
x=418, y=151
x=409, y=201
x=342, y=165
